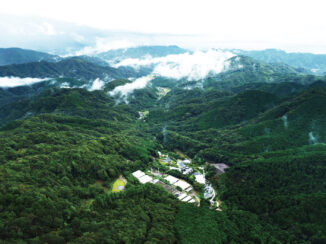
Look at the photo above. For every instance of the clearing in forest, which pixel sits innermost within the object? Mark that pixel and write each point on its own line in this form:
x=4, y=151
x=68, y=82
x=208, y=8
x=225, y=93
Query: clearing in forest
x=119, y=184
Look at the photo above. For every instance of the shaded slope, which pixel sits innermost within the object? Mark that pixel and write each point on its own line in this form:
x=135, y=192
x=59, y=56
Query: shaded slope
x=19, y=56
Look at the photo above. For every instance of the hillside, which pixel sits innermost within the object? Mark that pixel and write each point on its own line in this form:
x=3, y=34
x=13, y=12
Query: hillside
x=19, y=56
x=74, y=67
x=313, y=62
x=140, y=52
x=65, y=145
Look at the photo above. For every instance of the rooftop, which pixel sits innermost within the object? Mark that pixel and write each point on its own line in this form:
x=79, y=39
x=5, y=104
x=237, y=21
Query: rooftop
x=200, y=179
x=182, y=184
x=145, y=179
x=182, y=196
x=138, y=173
x=171, y=179
x=186, y=199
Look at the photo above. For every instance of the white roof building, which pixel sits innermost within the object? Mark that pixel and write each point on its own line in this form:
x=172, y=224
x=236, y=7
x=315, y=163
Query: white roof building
x=182, y=196
x=187, y=171
x=182, y=184
x=188, y=189
x=200, y=179
x=138, y=174
x=171, y=179
x=175, y=168
x=186, y=161
x=192, y=201
x=145, y=179
x=155, y=181
x=186, y=199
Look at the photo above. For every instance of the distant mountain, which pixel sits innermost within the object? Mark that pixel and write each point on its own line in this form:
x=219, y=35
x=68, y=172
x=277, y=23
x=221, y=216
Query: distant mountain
x=313, y=62
x=246, y=70
x=74, y=67
x=62, y=150
x=19, y=56
x=141, y=52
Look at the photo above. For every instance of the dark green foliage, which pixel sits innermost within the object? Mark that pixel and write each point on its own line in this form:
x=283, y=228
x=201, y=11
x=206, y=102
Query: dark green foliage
x=77, y=102
x=288, y=191
x=299, y=60
x=19, y=56
x=202, y=225
x=74, y=67
x=51, y=163
x=62, y=149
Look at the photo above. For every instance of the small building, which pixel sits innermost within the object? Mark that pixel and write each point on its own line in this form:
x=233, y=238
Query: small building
x=155, y=181
x=186, y=161
x=166, y=187
x=187, y=171
x=138, y=174
x=171, y=179
x=175, y=168
x=186, y=199
x=167, y=160
x=182, y=184
x=188, y=189
x=209, y=192
x=182, y=165
x=145, y=179
x=220, y=168
x=182, y=196
x=200, y=179
x=192, y=201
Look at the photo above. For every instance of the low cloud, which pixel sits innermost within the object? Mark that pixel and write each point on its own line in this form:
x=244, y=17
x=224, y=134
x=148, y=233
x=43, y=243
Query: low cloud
x=193, y=66
x=96, y=85
x=17, y=81
x=125, y=90
x=104, y=45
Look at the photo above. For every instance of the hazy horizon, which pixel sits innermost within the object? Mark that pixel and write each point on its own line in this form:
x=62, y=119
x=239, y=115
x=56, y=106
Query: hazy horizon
x=84, y=27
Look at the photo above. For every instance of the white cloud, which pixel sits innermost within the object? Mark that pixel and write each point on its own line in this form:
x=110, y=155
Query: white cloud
x=299, y=23
x=193, y=66
x=96, y=85
x=103, y=45
x=17, y=81
x=125, y=90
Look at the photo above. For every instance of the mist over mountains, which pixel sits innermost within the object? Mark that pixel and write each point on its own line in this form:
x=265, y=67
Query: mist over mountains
x=72, y=126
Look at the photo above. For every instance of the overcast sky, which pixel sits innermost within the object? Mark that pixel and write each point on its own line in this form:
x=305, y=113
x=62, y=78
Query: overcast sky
x=251, y=24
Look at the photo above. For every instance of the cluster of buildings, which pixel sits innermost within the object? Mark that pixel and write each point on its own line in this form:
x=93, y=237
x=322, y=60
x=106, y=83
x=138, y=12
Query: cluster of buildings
x=180, y=188
x=185, y=186
x=184, y=167
x=142, y=177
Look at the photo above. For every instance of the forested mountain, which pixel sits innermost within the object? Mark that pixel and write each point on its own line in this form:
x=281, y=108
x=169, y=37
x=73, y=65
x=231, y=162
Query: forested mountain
x=64, y=145
x=140, y=52
x=20, y=56
x=313, y=62
x=74, y=67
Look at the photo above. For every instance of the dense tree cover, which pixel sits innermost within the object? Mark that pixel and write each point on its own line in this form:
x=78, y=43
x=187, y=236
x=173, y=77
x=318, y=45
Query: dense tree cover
x=203, y=225
x=278, y=167
x=316, y=62
x=19, y=56
x=49, y=166
x=63, y=148
x=244, y=70
x=288, y=191
x=77, y=102
x=75, y=67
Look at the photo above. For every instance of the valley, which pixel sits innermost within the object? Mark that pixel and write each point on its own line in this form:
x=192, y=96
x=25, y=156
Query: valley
x=99, y=152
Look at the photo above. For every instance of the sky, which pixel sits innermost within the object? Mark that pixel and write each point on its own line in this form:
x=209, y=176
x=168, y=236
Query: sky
x=251, y=24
